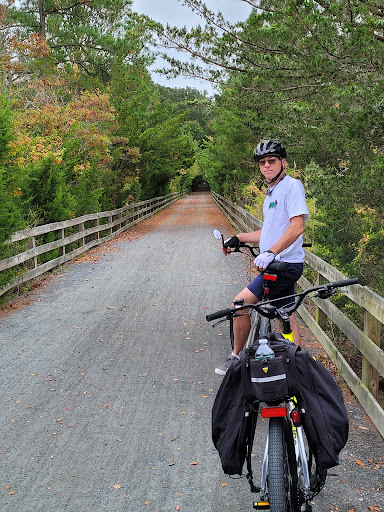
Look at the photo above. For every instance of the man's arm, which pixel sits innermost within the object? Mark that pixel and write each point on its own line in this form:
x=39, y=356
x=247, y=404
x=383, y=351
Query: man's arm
x=294, y=230
x=247, y=238
x=292, y=233
x=250, y=238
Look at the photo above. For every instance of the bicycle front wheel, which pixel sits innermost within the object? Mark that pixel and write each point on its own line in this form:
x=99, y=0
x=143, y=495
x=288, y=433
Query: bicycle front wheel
x=282, y=472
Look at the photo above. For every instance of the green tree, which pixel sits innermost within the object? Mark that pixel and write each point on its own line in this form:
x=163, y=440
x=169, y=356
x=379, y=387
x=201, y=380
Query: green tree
x=11, y=218
x=135, y=99
x=225, y=157
x=83, y=36
x=163, y=124
x=47, y=191
x=166, y=150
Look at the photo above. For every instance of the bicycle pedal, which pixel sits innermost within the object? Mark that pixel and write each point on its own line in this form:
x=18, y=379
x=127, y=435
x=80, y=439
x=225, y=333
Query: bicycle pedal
x=261, y=505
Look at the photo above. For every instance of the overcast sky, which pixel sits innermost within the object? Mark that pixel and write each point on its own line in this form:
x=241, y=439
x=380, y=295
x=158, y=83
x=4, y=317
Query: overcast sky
x=174, y=13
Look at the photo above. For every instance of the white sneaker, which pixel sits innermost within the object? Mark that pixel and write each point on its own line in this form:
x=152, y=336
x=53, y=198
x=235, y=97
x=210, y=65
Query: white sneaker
x=222, y=369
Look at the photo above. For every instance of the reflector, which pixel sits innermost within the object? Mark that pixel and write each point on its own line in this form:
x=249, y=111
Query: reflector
x=273, y=412
x=261, y=505
x=296, y=418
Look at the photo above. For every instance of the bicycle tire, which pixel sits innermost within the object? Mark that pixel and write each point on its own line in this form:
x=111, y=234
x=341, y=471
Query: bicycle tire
x=282, y=491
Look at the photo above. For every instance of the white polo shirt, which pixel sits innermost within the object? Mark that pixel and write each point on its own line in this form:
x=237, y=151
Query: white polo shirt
x=287, y=200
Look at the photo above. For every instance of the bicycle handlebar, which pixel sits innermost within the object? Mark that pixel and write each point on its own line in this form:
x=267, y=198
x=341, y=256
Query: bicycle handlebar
x=252, y=249
x=344, y=282
x=267, y=309
x=219, y=314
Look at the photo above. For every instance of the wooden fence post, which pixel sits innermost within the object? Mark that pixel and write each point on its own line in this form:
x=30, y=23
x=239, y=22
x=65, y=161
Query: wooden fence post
x=97, y=224
x=369, y=375
x=62, y=248
x=31, y=244
x=81, y=240
x=321, y=317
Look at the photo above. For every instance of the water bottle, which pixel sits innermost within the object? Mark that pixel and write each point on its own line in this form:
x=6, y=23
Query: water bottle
x=264, y=351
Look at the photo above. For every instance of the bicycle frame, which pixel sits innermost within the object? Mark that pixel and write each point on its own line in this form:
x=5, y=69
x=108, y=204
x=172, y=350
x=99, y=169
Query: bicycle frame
x=262, y=325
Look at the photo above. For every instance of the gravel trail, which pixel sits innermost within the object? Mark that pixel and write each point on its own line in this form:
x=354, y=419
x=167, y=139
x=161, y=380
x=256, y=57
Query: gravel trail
x=107, y=381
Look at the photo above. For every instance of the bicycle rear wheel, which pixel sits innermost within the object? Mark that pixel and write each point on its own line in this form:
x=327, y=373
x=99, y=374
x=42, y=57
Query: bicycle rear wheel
x=282, y=470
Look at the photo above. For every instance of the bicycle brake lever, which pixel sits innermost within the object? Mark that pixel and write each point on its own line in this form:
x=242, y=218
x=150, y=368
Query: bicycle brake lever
x=220, y=322
x=325, y=294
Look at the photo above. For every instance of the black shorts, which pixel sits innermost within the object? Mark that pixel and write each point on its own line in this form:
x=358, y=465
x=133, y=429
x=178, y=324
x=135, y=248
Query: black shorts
x=283, y=286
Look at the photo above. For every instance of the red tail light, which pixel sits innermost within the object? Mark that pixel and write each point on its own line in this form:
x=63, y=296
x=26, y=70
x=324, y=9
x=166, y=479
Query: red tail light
x=296, y=418
x=273, y=412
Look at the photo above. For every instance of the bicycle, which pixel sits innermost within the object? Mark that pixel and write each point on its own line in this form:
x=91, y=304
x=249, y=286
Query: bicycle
x=290, y=477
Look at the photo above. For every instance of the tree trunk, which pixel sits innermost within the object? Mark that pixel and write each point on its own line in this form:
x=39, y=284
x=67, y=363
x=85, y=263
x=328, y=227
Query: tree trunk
x=42, y=27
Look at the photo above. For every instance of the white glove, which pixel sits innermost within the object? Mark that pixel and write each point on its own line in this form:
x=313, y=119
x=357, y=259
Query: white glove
x=264, y=259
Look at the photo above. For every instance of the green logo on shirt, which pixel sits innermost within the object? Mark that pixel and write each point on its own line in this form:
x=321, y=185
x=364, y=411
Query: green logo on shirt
x=273, y=204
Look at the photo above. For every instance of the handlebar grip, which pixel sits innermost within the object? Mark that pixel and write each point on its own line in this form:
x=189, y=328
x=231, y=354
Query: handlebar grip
x=307, y=244
x=218, y=314
x=344, y=282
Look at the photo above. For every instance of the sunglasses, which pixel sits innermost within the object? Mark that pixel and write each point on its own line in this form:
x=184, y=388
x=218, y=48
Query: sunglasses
x=271, y=161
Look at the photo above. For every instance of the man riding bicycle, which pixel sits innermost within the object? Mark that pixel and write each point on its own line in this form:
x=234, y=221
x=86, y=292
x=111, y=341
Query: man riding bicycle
x=285, y=213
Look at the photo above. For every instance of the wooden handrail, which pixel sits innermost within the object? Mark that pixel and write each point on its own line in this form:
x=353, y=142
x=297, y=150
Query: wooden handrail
x=82, y=240
x=367, y=342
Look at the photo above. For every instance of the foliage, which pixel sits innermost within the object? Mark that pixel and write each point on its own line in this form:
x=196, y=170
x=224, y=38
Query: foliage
x=160, y=122
x=10, y=204
x=65, y=150
x=225, y=159
x=83, y=37
x=308, y=73
x=166, y=151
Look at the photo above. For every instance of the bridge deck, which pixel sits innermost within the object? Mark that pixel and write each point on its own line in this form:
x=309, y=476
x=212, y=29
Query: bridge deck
x=107, y=382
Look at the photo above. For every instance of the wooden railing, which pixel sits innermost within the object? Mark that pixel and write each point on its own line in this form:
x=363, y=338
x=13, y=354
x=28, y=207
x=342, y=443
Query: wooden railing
x=367, y=342
x=73, y=237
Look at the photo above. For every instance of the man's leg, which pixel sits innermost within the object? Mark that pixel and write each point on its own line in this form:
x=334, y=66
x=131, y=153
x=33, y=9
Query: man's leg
x=242, y=324
x=295, y=329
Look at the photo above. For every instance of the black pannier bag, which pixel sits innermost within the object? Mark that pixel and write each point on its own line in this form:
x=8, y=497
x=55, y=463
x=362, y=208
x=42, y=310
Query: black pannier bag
x=325, y=420
x=319, y=397
x=233, y=422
